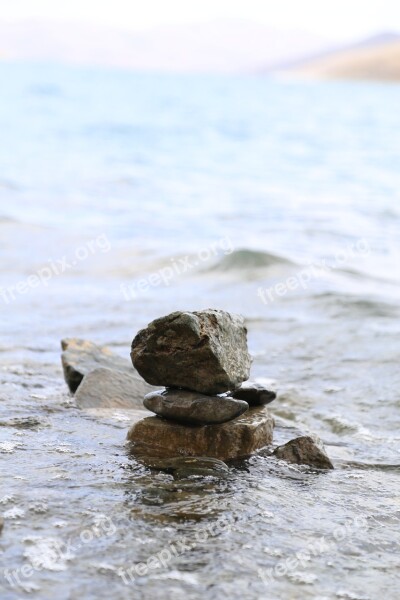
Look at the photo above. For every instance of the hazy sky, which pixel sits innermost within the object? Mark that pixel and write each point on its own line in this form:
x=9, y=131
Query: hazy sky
x=331, y=18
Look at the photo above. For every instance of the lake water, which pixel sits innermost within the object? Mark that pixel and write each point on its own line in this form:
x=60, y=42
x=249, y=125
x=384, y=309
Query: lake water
x=126, y=196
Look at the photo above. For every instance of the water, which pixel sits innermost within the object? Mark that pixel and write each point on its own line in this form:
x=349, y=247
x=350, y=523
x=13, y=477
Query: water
x=111, y=181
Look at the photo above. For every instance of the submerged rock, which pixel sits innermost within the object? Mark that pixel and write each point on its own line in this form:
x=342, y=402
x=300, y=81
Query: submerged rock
x=193, y=408
x=254, y=394
x=187, y=465
x=107, y=388
x=305, y=450
x=234, y=439
x=202, y=351
x=80, y=357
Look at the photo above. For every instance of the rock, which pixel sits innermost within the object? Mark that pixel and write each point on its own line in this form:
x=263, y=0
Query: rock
x=1, y=524
x=188, y=465
x=193, y=408
x=105, y=388
x=234, y=439
x=202, y=351
x=305, y=450
x=186, y=472
x=80, y=357
x=254, y=394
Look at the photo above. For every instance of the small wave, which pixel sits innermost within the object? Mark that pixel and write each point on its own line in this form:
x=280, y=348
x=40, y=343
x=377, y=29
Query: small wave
x=366, y=466
x=339, y=424
x=6, y=220
x=361, y=275
x=361, y=307
x=51, y=554
x=14, y=513
x=248, y=259
x=9, y=447
x=6, y=184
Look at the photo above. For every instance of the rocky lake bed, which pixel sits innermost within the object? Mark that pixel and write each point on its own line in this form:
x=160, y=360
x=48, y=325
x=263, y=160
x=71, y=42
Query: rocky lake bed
x=170, y=475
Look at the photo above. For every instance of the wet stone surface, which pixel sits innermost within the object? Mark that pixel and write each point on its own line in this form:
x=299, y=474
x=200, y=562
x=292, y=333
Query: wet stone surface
x=193, y=408
x=203, y=351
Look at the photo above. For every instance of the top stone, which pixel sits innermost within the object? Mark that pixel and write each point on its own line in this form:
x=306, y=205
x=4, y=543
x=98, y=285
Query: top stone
x=202, y=351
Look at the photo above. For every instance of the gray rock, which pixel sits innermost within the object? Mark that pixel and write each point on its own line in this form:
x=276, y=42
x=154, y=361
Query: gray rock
x=235, y=439
x=305, y=450
x=202, y=351
x=193, y=408
x=1, y=524
x=80, y=357
x=105, y=388
x=254, y=394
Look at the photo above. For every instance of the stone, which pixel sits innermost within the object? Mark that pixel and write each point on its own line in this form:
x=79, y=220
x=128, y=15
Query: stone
x=81, y=357
x=106, y=388
x=235, y=439
x=254, y=394
x=202, y=351
x=1, y=524
x=305, y=450
x=187, y=465
x=194, y=408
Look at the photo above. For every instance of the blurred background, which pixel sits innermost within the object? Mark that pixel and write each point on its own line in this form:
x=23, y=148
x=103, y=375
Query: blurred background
x=242, y=155
x=253, y=137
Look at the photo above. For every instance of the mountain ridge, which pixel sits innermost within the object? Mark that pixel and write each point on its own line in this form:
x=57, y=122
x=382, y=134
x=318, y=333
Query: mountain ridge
x=375, y=58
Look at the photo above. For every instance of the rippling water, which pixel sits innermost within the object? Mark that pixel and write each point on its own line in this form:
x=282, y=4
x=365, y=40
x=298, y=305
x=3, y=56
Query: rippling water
x=128, y=196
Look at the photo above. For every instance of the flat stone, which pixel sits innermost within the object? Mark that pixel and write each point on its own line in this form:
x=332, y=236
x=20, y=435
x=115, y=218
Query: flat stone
x=81, y=357
x=235, y=439
x=187, y=465
x=254, y=394
x=194, y=408
x=202, y=351
x=106, y=388
x=305, y=450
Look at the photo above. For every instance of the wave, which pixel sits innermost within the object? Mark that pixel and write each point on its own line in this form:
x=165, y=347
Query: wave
x=351, y=464
x=4, y=219
x=244, y=259
x=361, y=275
x=362, y=307
x=6, y=184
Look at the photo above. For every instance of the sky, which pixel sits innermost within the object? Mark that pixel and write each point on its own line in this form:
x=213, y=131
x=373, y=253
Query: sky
x=335, y=19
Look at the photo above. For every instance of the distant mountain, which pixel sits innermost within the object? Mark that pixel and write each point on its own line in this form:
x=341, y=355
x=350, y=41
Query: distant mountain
x=375, y=58
x=385, y=37
x=218, y=46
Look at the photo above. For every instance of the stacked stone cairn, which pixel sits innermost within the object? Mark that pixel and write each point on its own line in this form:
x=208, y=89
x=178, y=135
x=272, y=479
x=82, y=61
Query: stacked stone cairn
x=203, y=409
